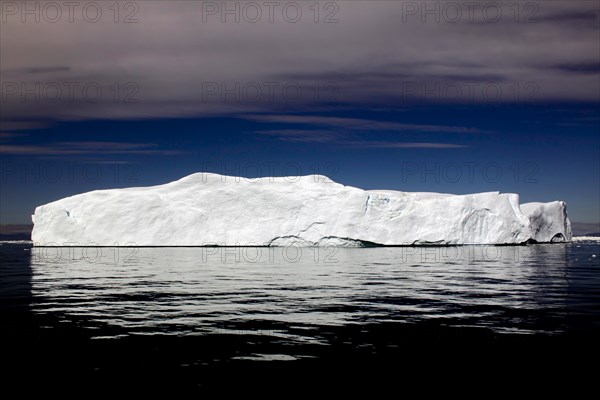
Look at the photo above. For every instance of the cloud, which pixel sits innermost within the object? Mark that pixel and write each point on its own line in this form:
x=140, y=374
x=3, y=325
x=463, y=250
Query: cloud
x=348, y=139
x=84, y=148
x=580, y=68
x=404, y=145
x=7, y=125
x=575, y=17
x=45, y=70
x=356, y=124
x=376, y=55
x=299, y=135
x=4, y=136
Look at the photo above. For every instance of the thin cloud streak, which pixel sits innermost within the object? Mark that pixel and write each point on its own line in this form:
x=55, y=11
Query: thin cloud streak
x=7, y=126
x=299, y=135
x=85, y=148
x=405, y=145
x=360, y=124
x=338, y=139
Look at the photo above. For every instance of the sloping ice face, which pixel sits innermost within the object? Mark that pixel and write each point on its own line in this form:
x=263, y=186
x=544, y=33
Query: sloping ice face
x=209, y=209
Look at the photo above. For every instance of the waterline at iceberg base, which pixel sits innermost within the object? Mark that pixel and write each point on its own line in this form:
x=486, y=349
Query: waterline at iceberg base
x=209, y=209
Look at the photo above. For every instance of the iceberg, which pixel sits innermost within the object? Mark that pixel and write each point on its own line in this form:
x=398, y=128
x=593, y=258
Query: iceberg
x=215, y=210
x=548, y=221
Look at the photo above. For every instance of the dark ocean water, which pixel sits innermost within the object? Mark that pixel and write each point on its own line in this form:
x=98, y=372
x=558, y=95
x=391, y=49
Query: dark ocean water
x=206, y=319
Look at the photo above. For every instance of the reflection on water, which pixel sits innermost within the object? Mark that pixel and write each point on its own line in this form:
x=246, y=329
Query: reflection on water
x=215, y=320
x=292, y=293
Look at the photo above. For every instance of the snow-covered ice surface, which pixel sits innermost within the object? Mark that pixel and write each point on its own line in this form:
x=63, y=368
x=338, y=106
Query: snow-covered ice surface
x=209, y=209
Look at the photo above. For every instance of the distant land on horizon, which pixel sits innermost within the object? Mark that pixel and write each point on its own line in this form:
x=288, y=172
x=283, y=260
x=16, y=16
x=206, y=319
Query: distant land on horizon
x=23, y=231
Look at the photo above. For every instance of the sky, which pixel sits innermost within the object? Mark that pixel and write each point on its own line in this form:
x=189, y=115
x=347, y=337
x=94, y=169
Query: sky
x=455, y=97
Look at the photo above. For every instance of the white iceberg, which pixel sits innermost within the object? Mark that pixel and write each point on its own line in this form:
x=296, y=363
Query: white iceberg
x=548, y=221
x=209, y=209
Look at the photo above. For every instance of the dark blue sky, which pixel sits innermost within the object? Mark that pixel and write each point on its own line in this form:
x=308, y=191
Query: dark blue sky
x=544, y=152
x=374, y=94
